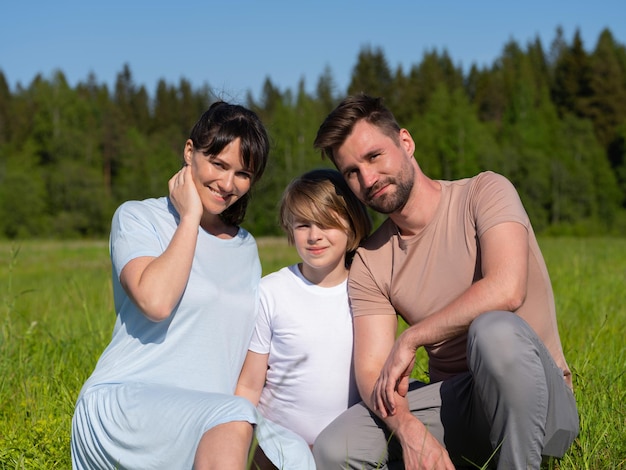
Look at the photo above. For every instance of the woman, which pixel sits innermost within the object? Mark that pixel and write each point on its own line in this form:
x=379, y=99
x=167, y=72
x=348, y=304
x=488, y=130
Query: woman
x=185, y=279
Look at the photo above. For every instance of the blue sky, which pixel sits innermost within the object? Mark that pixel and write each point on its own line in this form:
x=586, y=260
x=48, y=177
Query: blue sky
x=234, y=45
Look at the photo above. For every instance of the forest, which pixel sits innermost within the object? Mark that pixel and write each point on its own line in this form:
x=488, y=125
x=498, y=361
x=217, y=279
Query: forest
x=551, y=119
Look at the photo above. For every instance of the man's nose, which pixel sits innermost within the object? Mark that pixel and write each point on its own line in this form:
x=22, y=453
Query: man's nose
x=368, y=177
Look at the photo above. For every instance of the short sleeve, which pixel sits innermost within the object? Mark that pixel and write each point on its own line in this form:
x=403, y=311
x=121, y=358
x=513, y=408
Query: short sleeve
x=133, y=235
x=262, y=334
x=494, y=201
x=367, y=295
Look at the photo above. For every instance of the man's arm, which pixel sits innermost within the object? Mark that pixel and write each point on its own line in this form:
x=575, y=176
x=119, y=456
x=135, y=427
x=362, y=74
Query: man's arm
x=504, y=255
x=374, y=337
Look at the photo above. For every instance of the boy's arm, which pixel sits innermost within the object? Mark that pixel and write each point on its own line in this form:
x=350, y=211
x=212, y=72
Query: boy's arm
x=252, y=377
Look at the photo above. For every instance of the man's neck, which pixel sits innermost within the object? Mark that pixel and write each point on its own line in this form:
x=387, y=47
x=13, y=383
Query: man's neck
x=420, y=208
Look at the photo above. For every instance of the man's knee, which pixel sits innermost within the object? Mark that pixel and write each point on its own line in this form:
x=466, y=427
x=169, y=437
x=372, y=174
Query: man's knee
x=492, y=325
x=501, y=346
x=496, y=341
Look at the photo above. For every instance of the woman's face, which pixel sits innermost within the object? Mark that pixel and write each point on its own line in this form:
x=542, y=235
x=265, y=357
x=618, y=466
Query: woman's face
x=220, y=179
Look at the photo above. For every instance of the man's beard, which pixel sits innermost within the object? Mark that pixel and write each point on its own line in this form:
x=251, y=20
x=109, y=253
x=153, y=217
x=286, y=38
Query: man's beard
x=392, y=202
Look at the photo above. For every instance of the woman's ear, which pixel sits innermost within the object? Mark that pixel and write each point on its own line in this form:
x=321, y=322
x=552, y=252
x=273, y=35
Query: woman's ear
x=188, y=152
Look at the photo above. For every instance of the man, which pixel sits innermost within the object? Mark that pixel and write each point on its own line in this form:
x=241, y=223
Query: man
x=458, y=260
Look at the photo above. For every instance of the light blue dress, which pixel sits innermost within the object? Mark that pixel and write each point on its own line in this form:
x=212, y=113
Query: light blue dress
x=158, y=387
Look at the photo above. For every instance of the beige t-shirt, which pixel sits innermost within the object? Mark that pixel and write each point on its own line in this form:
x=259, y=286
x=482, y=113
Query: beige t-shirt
x=415, y=277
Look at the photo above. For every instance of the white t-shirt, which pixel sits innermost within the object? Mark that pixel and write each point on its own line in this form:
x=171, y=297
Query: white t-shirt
x=307, y=331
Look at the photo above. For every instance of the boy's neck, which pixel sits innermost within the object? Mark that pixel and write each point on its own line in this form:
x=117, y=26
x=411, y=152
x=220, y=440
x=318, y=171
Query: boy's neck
x=324, y=277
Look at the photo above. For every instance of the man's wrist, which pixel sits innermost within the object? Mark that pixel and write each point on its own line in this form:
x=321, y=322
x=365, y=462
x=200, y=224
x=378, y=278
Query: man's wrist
x=402, y=423
x=409, y=338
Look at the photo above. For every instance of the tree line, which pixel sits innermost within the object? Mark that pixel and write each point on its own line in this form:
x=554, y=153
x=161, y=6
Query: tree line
x=552, y=120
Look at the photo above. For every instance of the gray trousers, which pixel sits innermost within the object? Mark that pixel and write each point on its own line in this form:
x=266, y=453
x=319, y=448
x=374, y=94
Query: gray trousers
x=509, y=410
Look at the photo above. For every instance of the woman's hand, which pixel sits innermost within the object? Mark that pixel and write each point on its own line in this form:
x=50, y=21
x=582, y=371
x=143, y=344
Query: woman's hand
x=156, y=284
x=184, y=194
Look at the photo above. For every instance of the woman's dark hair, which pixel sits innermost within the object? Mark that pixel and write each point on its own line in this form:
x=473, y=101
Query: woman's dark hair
x=220, y=125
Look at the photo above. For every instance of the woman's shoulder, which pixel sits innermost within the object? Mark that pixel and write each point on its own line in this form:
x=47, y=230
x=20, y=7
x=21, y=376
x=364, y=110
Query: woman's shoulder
x=149, y=216
x=143, y=206
x=143, y=209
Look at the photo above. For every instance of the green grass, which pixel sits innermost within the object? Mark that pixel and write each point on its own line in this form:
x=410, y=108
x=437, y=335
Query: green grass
x=56, y=316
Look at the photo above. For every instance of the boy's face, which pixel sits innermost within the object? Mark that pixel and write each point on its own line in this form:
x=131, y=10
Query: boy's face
x=322, y=251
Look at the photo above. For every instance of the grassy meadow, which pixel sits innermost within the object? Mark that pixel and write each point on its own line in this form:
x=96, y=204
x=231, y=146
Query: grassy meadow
x=56, y=316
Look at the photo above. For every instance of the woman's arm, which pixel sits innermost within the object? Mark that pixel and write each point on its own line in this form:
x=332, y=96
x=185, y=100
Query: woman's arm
x=156, y=285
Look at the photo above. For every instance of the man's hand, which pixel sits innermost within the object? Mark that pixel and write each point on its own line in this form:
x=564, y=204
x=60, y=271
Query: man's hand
x=377, y=349
x=394, y=376
x=420, y=450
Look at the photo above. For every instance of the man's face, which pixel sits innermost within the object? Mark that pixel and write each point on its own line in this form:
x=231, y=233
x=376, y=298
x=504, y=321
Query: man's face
x=377, y=168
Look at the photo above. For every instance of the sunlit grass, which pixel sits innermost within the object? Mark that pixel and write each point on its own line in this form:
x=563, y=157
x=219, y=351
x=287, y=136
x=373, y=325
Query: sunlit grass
x=56, y=316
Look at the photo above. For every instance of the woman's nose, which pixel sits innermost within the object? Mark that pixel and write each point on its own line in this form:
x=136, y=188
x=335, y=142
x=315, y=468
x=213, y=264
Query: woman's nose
x=227, y=181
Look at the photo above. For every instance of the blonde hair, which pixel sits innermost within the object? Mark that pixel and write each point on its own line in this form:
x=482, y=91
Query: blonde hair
x=323, y=197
